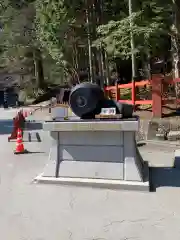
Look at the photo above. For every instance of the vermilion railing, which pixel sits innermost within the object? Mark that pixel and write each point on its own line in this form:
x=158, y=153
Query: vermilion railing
x=158, y=85
x=133, y=86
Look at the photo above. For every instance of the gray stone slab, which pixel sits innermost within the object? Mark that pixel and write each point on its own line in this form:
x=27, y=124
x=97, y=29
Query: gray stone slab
x=91, y=153
x=81, y=169
x=90, y=138
x=91, y=126
x=133, y=169
x=96, y=183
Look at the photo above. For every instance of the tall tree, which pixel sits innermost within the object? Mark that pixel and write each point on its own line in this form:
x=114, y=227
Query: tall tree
x=149, y=25
x=56, y=25
x=18, y=39
x=176, y=38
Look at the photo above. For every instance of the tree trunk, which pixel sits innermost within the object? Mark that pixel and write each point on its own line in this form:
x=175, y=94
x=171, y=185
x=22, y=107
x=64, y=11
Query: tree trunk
x=89, y=41
x=39, y=72
x=107, y=69
x=146, y=65
x=176, y=44
x=175, y=56
x=100, y=51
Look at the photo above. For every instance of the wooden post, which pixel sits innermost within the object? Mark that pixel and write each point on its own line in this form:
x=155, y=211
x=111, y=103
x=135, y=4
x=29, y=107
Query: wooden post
x=133, y=94
x=157, y=95
x=106, y=92
x=117, y=93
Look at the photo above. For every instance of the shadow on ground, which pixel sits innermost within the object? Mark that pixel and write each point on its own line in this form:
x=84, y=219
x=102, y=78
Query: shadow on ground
x=33, y=126
x=30, y=137
x=141, y=144
x=164, y=177
x=31, y=152
x=6, y=127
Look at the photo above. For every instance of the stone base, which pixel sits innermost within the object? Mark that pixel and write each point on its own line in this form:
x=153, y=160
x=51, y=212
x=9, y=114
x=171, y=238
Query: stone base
x=97, y=183
x=47, y=177
x=95, y=153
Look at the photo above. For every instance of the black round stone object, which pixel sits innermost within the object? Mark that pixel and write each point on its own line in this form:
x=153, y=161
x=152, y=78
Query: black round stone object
x=85, y=99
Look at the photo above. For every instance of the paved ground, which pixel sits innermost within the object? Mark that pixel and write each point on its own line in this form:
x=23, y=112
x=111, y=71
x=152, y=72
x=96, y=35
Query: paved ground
x=48, y=212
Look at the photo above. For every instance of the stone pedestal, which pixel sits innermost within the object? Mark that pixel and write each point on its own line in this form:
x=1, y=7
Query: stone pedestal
x=96, y=153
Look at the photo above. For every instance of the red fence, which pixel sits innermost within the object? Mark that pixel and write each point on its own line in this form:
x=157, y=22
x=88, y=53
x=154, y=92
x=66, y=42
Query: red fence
x=159, y=92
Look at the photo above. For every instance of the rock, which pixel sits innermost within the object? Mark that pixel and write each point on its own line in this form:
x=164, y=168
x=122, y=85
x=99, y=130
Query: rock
x=173, y=135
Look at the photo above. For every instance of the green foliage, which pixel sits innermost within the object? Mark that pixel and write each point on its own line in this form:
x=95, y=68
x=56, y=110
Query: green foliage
x=21, y=49
x=17, y=35
x=149, y=25
x=53, y=25
x=54, y=33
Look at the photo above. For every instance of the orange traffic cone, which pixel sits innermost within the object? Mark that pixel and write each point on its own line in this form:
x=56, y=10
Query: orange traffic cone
x=19, y=143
